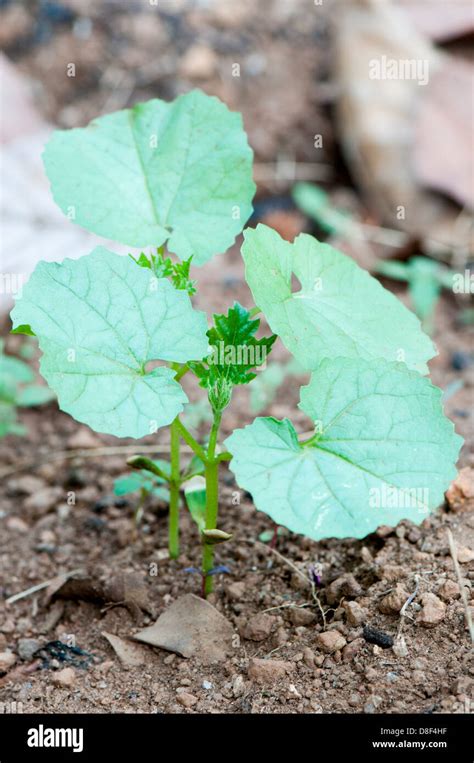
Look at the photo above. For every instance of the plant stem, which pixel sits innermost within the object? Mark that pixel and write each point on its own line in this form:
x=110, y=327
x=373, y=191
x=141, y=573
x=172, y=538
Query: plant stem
x=189, y=439
x=211, y=450
x=212, y=506
x=212, y=503
x=173, y=520
x=182, y=372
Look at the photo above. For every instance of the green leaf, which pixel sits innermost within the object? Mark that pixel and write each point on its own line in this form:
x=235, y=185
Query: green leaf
x=339, y=310
x=131, y=483
x=24, y=329
x=196, y=467
x=393, y=269
x=164, y=267
x=179, y=172
x=100, y=320
x=35, y=394
x=143, y=480
x=14, y=375
x=15, y=369
x=315, y=203
x=382, y=451
x=234, y=349
x=8, y=420
x=425, y=279
x=195, y=496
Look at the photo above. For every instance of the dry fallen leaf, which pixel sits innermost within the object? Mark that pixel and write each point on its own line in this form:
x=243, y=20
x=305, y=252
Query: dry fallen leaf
x=129, y=654
x=191, y=627
x=445, y=122
x=127, y=588
x=377, y=119
x=431, y=18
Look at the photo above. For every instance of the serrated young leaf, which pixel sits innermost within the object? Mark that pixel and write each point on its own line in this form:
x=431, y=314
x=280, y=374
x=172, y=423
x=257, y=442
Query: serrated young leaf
x=177, y=172
x=340, y=310
x=383, y=451
x=164, y=267
x=100, y=320
x=24, y=329
x=234, y=349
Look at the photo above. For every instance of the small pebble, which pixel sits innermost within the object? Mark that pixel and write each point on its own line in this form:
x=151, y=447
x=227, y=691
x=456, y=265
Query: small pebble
x=64, y=678
x=186, y=699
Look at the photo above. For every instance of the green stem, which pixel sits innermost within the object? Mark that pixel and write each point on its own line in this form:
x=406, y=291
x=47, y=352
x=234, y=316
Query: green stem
x=212, y=506
x=225, y=456
x=182, y=372
x=212, y=503
x=173, y=520
x=310, y=441
x=211, y=450
x=189, y=439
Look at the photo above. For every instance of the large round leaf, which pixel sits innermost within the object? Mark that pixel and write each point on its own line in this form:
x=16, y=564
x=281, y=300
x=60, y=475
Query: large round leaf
x=99, y=321
x=383, y=451
x=339, y=309
x=179, y=172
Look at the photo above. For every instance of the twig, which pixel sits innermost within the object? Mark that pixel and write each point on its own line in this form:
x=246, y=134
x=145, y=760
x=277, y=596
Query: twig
x=300, y=574
x=38, y=587
x=467, y=612
x=320, y=607
x=288, y=605
x=19, y=671
x=285, y=561
x=403, y=610
x=59, y=455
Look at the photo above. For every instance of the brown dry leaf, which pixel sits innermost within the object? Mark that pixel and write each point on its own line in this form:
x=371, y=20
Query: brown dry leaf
x=191, y=627
x=444, y=159
x=129, y=654
x=52, y=618
x=127, y=588
x=19, y=672
x=376, y=120
x=436, y=20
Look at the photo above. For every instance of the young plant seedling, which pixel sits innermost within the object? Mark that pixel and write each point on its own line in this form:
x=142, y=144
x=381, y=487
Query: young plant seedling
x=425, y=278
x=317, y=205
x=118, y=336
x=17, y=390
x=145, y=482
